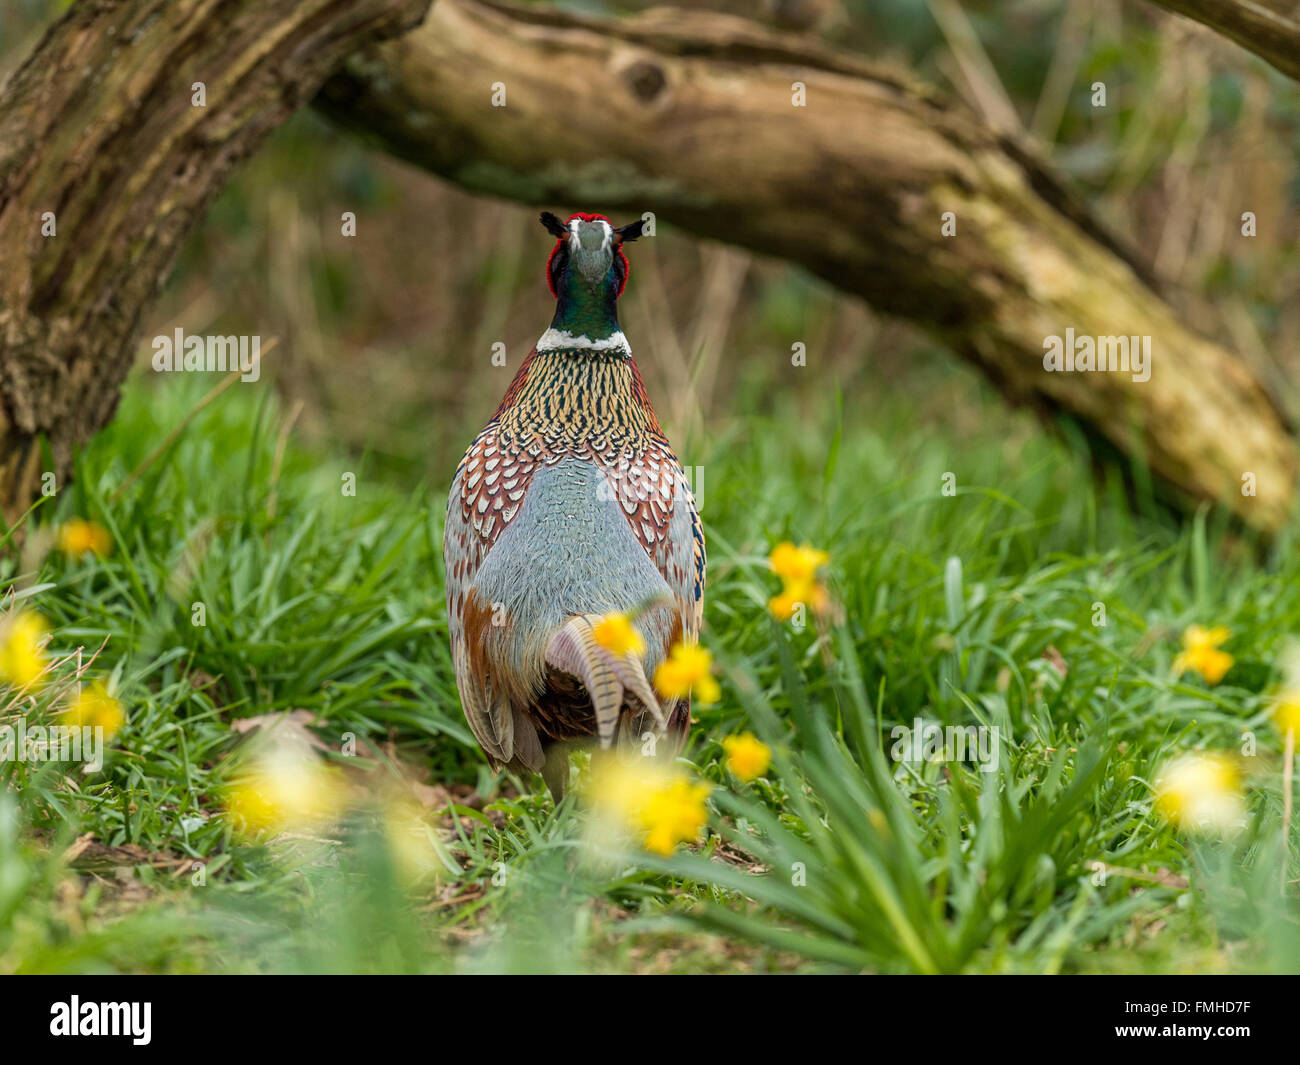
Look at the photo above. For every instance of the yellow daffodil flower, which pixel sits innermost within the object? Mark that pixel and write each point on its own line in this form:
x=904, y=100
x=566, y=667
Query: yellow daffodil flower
x=1200, y=792
x=80, y=537
x=797, y=567
x=796, y=563
x=1286, y=712
x=618, y=635
x=662, y=806
x=747, y=756
x=95, y=708
x=284, y=789
x=22, y=658
x=1201, y=653
x=687, y=670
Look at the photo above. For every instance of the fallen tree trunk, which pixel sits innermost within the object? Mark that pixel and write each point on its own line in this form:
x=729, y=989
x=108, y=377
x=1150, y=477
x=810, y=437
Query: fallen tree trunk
x=106, y=163
x=692, y=116
x=1270, y=32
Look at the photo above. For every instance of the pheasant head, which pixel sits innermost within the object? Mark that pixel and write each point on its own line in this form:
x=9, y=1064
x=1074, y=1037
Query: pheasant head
x=586, y=272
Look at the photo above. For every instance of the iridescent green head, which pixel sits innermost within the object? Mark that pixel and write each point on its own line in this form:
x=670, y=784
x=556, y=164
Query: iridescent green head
x=587, y=272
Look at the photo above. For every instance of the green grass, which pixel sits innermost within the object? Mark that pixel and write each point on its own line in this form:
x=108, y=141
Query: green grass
x=959, y=609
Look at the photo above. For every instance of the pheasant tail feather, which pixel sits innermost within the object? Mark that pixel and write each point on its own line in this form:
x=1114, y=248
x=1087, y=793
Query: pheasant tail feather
x=608, y=677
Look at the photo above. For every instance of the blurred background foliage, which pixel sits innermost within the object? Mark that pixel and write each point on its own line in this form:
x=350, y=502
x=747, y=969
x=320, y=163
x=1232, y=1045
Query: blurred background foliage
x=386, y=338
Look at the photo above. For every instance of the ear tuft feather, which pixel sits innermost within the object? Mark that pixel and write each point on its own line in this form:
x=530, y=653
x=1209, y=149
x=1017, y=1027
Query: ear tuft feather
x=553, y=225
x=630, y=231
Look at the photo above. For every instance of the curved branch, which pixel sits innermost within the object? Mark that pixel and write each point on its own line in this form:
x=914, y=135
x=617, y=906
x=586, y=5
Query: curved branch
x=691, y=116
x=1272, y=35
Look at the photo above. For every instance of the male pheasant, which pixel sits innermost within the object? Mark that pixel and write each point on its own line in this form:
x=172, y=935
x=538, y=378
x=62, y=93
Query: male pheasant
x=570, y=505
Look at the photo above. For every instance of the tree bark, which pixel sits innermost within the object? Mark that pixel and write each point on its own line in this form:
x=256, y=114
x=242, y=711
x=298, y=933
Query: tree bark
x=1269, y=31
x=691, y=116
x=98, y=127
